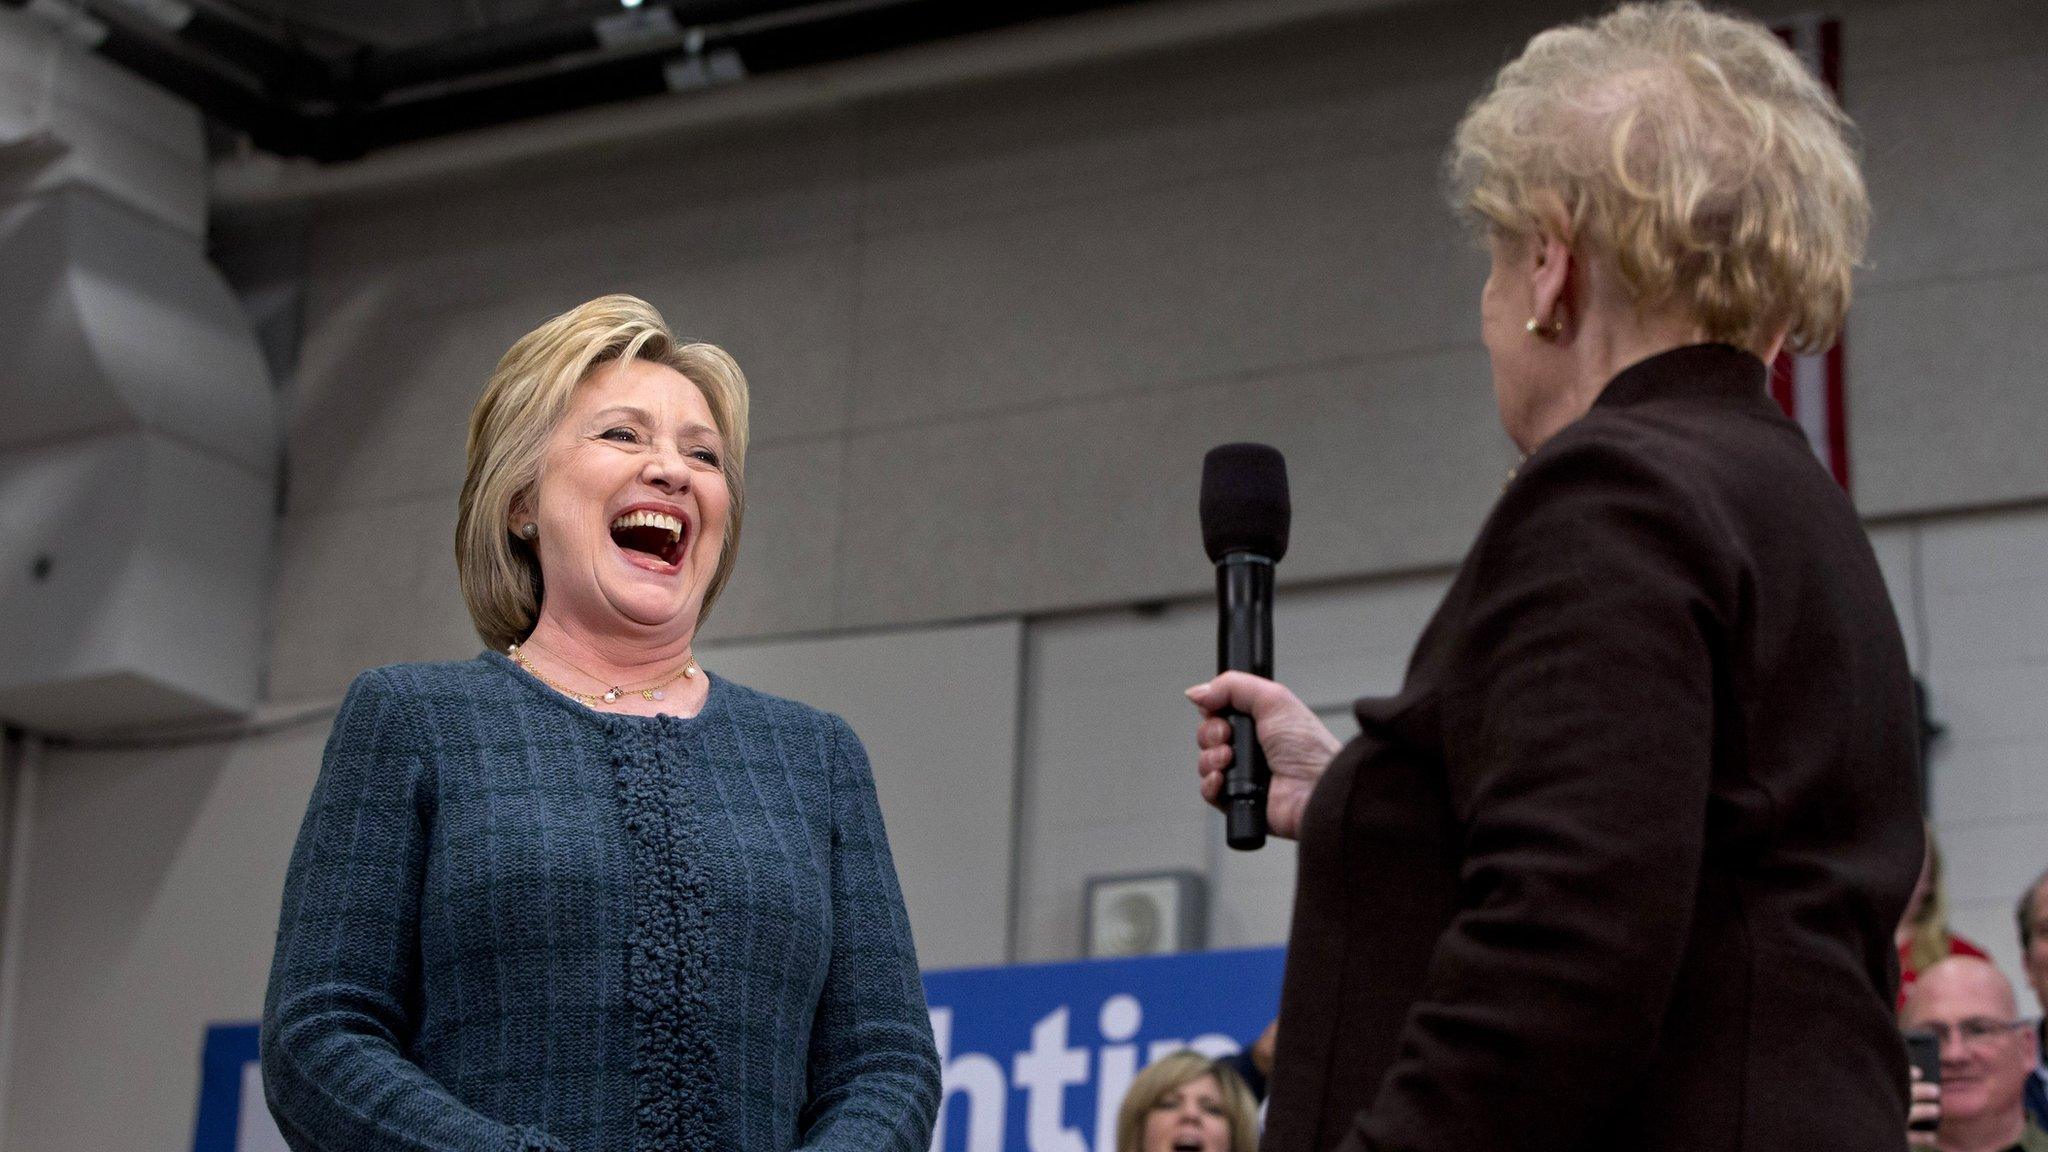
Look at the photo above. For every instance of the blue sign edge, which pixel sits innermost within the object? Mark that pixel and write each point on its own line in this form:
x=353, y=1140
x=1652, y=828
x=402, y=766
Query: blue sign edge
x=228, y=1049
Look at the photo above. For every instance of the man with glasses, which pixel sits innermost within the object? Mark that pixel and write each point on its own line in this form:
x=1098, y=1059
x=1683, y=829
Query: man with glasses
x=1988, y=1055
x=2034, y=957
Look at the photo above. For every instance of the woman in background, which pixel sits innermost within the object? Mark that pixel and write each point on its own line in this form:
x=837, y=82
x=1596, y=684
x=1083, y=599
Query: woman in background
x=579, y=892
x=1186, y=1102
x=1923, y=935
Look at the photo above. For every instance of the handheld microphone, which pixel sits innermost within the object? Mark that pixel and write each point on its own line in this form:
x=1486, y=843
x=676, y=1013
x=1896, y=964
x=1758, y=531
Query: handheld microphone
x=1245, y=517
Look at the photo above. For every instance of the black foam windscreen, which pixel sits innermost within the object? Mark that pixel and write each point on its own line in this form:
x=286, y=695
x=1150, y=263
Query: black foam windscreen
x=1244, y=501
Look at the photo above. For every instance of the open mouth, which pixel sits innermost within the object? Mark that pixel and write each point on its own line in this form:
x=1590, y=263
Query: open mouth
x=653, y=534
x=1187, y=1144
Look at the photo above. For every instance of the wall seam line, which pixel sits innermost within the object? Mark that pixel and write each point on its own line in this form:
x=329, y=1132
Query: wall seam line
x=1013, y=920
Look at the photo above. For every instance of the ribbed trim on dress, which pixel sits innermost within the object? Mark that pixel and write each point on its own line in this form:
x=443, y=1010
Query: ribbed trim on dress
x=666, y=964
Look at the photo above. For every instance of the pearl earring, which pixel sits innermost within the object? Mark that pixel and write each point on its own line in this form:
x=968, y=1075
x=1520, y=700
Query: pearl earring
x=529, y=530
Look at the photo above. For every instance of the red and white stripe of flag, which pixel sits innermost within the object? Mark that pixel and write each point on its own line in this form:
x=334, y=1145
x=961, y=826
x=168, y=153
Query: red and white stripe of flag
x=1812, y=389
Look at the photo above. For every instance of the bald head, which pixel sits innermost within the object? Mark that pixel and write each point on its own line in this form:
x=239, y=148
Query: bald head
x=1969, y=984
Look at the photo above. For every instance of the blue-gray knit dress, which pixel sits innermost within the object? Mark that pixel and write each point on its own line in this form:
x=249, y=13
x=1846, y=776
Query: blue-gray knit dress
x=514, y=923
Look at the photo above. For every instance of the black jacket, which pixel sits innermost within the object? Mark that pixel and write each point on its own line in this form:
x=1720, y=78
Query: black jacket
x=1619, y=867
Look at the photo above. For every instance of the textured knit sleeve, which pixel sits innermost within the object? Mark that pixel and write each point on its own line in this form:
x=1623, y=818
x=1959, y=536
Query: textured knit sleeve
x=1579, y=720
x=874, y=1073
x=344, y=983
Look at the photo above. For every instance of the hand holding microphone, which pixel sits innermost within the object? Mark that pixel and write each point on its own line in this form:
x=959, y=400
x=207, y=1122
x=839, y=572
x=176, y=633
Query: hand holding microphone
x=1297, y=746
x=1262, y=750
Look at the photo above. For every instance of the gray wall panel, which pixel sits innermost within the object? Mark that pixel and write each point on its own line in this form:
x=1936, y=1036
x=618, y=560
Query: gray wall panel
x=788, y=564
x=1946, y=403
x=364, y=587
x=383, y=392
x=1282, y=266
x=1396, y=460
x=1956, y=156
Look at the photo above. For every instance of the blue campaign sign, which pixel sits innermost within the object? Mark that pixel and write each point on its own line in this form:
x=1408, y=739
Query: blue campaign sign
x=232, y=1116
x=1035, y=1057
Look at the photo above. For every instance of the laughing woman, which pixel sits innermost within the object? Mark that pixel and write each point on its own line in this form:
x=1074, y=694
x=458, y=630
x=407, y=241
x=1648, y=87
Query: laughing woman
x=578, y=892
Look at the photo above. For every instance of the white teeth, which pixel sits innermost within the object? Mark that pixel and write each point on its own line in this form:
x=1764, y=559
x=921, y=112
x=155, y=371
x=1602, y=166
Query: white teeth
x=649, y=519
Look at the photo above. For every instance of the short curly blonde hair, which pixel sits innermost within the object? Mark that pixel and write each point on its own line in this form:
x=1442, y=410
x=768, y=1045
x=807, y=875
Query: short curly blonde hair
x=1692, y=148
x=508, y=438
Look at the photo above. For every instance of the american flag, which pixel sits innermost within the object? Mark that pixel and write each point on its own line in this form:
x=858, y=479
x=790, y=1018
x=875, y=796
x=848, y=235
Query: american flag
x=1812, y=389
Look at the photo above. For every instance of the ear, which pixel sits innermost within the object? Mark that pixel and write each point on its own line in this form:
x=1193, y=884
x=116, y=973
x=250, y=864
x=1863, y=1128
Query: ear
x=1553, y=282
x=520, y=512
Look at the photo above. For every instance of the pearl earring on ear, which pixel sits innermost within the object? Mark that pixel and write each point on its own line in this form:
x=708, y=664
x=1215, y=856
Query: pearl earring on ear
x=529, y=530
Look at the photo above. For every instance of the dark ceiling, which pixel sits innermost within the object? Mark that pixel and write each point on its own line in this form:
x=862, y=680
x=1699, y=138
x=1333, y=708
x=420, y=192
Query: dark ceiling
x=413, y=23
x=336, y=79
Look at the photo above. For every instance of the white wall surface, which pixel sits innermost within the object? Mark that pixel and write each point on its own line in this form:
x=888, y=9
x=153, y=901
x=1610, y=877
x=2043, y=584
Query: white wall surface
x=990, y=330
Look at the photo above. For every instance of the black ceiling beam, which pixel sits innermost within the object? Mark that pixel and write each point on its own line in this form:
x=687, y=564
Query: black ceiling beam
x=334, y=107
x=388, y=70
x=852, y=34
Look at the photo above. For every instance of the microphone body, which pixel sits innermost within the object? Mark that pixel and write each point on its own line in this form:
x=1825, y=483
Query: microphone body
x=1246, y=515
x=1244, y=643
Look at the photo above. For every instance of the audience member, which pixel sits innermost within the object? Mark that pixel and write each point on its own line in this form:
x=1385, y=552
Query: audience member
x=1987, y=1057
x=1187, y=1101
x=1923, y=935
x=2034, y=959
x=1255, y=1063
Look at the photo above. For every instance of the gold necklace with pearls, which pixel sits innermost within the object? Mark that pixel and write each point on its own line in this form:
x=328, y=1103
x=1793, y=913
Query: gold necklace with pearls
x=654, y=691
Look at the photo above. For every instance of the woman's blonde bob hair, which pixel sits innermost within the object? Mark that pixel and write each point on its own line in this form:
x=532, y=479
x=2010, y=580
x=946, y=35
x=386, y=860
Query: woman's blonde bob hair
x=1928, y=940
x=1693, y=149
x=1177, y=1070
x=508, y=439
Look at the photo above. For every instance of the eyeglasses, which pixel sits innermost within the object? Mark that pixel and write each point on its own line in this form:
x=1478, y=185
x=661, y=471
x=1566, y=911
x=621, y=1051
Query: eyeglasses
x=1977, y=1031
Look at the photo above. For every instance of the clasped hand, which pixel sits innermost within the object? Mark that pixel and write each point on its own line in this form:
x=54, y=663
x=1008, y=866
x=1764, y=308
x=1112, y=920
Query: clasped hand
x=1298, y=746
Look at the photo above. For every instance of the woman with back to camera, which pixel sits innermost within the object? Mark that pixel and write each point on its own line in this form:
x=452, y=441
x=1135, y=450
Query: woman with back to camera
x=580, y=893
x=1619, y=866
x=1186, y=1102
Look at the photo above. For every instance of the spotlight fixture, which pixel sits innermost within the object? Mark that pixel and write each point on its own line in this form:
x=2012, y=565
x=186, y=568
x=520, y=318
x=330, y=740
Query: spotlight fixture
x=703, y=69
